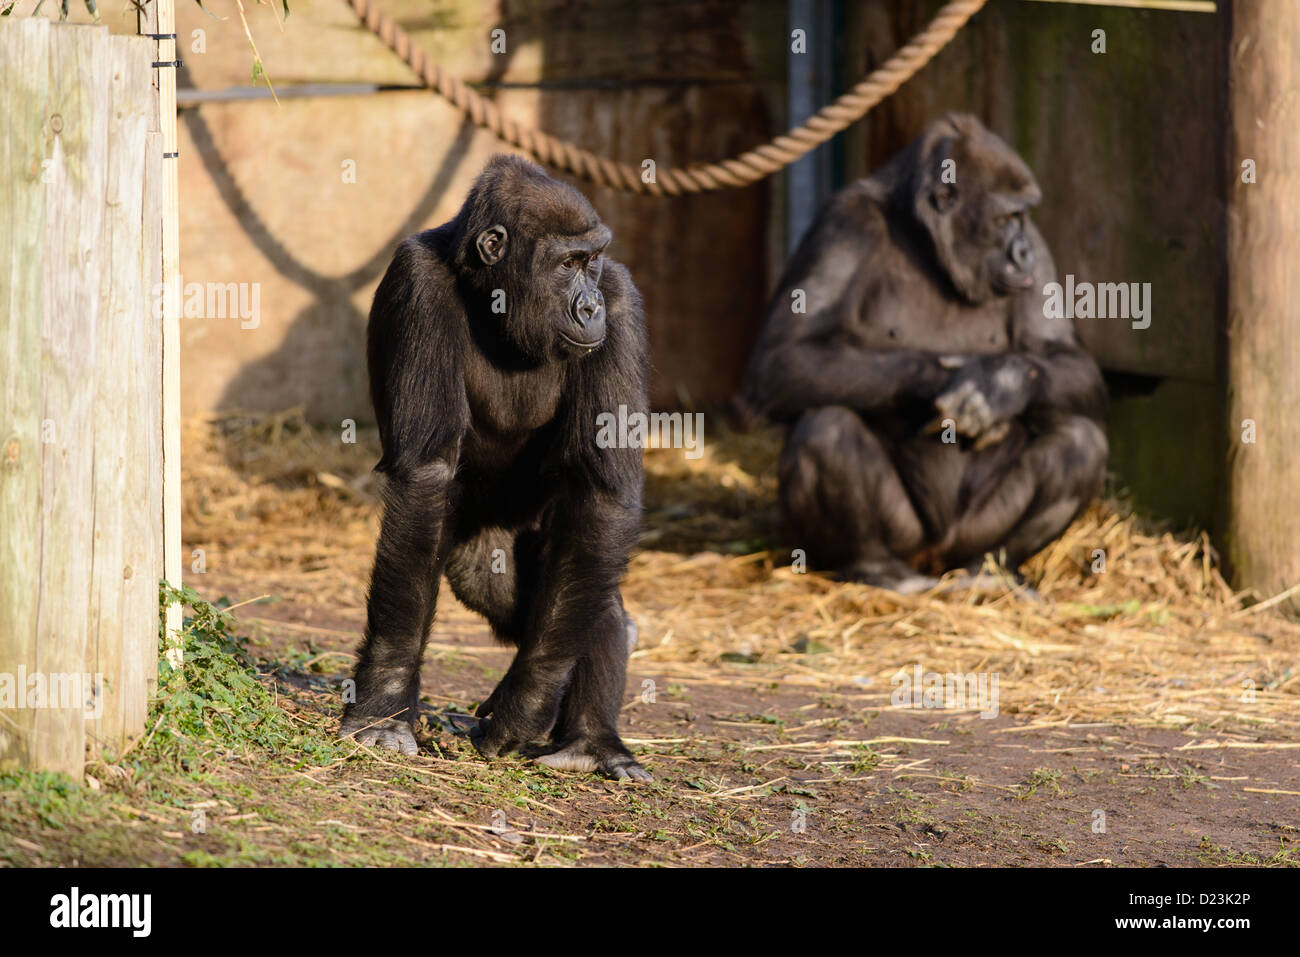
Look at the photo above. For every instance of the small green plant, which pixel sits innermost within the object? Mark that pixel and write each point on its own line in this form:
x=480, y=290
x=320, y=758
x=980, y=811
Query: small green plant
x=214, y=702
x=1048, y=778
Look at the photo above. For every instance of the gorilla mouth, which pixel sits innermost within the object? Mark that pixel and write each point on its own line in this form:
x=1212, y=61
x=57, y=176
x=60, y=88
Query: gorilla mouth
x=582, y=345
x=1011, y=279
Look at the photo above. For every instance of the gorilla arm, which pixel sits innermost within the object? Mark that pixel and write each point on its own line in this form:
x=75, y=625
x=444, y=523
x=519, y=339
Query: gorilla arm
x=414, y=348
x=1044, y=375
x=811, y=373
x=806, y=360
x=1069, y=382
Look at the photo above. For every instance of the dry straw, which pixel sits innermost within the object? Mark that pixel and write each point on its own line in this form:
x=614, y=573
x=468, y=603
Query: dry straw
x=1157, y=639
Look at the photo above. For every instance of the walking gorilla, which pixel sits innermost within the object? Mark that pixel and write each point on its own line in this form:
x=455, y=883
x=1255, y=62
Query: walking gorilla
x=494, y=342
x=936, y=414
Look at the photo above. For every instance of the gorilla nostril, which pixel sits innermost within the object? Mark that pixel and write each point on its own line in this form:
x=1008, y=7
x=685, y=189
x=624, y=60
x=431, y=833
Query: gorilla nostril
x=1022, y=253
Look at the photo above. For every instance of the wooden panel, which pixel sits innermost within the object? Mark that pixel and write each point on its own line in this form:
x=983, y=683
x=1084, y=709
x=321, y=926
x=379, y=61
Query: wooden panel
x=24, y=63
x=606, y=45
x=160, y=18
x=76, y=138
x=149, y=370
x=266, y=202
x=79, y=469
x=124, y=601
x=1129, y=174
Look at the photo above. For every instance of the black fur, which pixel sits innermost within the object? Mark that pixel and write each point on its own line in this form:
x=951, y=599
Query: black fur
x=925, y=318
x=488, y=424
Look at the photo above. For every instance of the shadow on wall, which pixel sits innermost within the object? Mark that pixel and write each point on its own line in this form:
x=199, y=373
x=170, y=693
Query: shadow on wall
x=339, y=369
x=680, y=88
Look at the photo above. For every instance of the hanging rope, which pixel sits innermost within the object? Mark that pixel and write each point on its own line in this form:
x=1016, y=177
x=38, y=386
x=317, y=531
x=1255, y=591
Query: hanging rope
x=739, y=171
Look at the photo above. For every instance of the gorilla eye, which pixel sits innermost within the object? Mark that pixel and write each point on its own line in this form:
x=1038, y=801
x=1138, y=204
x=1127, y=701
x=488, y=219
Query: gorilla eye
x=571, y=263
x=595, y=256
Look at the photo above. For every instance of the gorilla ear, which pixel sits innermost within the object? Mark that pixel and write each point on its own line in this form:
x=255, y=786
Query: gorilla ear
x=943, y=197
x=491, y=244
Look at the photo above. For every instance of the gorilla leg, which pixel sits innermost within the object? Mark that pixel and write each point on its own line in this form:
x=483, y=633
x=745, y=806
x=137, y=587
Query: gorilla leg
x=566, y=682
x=585, y=736
x=488, y=572
x=400, y=609
x=843, y=502
x=1027, y=504
x=485, y=574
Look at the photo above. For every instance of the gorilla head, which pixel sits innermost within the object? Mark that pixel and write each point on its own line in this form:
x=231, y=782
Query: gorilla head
x=971, y=193
x=533, y=248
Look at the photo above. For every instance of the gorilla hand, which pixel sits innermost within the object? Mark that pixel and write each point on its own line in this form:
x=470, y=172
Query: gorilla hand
x=985, y=394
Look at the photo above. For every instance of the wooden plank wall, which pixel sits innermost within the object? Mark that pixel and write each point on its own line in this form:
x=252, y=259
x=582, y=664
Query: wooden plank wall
x=266, y=201
x=80, y=532
x=1127, y=146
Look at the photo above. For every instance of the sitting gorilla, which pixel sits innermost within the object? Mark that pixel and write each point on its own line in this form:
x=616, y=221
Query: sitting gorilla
x=935, y=413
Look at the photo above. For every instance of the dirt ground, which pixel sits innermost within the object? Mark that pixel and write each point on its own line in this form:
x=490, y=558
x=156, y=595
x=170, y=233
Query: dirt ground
x=1145, y=715
x=755, y=771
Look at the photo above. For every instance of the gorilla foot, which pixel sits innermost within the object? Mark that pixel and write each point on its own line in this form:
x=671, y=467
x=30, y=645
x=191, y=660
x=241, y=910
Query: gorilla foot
x=489, y=738
x=391, y=734
x=892, y=575
x=616, y=762
x=496, y=736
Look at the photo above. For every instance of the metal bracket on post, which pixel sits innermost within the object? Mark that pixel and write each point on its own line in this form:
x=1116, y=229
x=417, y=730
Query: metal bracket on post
x=158, y=64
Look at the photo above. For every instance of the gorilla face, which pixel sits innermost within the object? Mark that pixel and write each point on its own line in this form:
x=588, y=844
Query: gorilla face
x=973, y=196
x=1009, y=262
x=563, y=308
x=575, y=263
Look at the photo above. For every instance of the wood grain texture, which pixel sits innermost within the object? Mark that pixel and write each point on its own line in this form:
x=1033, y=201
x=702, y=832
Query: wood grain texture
x=171, y=333
x=124, y=603
x=1264, y=296
x=80, y=486
x=24, y=63
x=150, y=369
x=76, y=141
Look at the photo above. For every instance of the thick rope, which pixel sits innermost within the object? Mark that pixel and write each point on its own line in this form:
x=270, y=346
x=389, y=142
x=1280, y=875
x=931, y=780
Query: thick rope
x=739, y=171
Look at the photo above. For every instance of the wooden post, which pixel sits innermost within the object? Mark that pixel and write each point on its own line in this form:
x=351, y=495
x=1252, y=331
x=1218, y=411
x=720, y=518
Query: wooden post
x=159, y=17
x=123, y=627
x=80, y=504
x=1263, y=300
x=25, y=65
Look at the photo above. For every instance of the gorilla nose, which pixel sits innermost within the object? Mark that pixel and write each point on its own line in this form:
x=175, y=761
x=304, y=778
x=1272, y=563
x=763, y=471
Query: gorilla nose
x=588, y=314
x=1022, y=254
